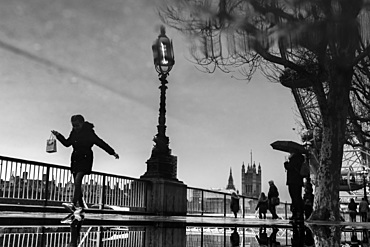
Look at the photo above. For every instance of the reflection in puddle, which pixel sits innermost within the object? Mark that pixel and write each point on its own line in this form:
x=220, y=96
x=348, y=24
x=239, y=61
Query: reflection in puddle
x=75, y=235
x=167, y=236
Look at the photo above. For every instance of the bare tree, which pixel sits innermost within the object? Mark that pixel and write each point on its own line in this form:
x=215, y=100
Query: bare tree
x=280, y=35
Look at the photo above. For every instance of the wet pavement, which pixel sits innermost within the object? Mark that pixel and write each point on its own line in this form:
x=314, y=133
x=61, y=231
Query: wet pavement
x=31, y=215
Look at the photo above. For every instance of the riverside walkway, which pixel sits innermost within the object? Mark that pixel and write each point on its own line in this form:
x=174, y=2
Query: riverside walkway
x=31, y=194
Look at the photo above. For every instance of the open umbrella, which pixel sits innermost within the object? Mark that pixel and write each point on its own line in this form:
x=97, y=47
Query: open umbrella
x=288, y=146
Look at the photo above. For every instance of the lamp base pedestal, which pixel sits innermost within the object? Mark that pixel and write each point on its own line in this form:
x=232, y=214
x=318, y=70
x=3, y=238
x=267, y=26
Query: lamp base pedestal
x=166, y=195
x=166, y=235
x=164, y=166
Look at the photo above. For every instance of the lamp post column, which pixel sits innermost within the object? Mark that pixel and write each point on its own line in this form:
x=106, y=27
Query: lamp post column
x=162, y=164
x=161, y=140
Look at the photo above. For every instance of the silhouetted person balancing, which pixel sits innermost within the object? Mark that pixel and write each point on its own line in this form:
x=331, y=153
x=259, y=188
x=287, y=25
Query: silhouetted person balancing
x=82, y=138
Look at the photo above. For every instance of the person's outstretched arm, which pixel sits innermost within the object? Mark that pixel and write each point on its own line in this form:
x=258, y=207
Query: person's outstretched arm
x=103, y=145
x=62, y=139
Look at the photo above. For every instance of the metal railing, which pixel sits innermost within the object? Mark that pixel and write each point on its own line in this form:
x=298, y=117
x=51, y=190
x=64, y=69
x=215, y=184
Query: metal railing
x=36, y=183
x=30, y=182
x=214, y=203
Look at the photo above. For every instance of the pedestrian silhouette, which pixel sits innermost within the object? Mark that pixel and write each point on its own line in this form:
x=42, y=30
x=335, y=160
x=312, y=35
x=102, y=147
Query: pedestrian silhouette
x=82, y=138
x=272, y=239
x=262, y=238
x=272, y=195
x=363, y=208
x=295, y=183
x=262, y=205
x=308, y=199
x=235, y=238
x=352, y=208
x=234, y=204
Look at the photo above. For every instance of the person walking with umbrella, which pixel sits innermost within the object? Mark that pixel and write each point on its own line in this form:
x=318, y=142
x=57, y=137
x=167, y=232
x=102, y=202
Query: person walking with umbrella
x=295, y=183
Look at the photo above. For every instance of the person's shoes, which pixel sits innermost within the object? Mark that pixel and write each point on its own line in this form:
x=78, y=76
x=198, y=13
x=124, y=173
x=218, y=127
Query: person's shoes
x=78, y=217
x=68, y=220
x=78, y=213
x=79, y=210
x=69, y=205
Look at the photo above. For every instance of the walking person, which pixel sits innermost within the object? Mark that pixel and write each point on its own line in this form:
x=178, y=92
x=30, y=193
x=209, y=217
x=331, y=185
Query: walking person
x=352, y=208
x=295, y=183
x=308, y=199
x=82, y=138
x=262, y=205
x=272, y=195
x=234, y=204
x=363, y=208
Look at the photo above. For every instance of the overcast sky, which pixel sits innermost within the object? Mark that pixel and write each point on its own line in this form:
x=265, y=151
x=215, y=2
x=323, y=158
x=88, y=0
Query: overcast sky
x=59, y=58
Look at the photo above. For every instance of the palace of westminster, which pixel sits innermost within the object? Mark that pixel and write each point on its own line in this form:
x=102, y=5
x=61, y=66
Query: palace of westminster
x=251, y=178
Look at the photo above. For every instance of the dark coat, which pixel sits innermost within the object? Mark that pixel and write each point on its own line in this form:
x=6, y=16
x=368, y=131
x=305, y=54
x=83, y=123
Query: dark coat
x=352, y=206
x=82, y=143
x=262, y=205
x=273, y=192
x=234, y=204
x=293, y=168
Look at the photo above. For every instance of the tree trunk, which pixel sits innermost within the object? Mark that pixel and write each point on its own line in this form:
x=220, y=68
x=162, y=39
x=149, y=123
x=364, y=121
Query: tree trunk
x=334, y=116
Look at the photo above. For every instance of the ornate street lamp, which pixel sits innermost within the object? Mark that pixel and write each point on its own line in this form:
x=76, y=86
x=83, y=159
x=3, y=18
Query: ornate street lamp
x=164, y=58
x=162, y=164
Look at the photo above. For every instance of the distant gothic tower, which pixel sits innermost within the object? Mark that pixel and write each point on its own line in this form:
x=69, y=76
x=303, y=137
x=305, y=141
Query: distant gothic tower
x=251, y=180
x=230, y=184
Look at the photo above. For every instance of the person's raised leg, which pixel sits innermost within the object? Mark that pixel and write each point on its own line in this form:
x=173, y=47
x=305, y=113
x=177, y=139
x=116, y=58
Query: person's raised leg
x=77, y=195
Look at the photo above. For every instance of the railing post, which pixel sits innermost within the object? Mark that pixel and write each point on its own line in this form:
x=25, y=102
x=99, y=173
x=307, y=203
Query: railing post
x=202, y=204
x=201, y=237
x=243, y=207
x=103, y=194
x=47, y=185
x=225, y=205
x=286, y=210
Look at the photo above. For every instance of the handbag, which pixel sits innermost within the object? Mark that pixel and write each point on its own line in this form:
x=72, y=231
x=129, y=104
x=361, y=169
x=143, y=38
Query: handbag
x=51, y=144
x=275, y=201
